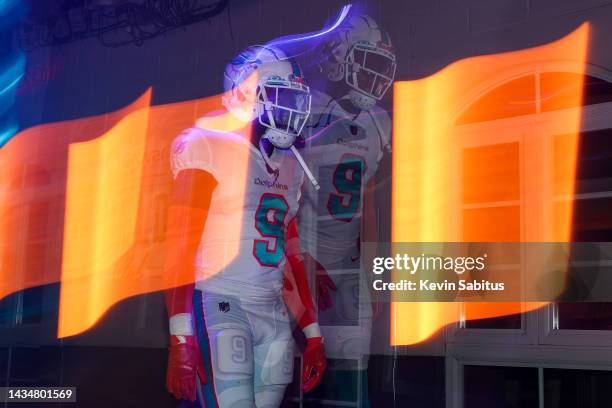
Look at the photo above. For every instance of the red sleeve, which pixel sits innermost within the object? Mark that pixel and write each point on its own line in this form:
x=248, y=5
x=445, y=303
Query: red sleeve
x=190, y=201
x=297, y=291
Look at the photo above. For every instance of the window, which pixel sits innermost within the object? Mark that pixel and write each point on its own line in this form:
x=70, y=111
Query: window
x=520, y=97
x=558, y=90
x=585, y=316
x=483, y=363
x=591, y=223
x=491, y=197
x=509, y=387
x=492, y=180
x=577, y=388
x=514, y=98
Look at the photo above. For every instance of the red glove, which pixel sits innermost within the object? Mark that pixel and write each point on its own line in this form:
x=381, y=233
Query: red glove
x=314, y=363
x=184, y=363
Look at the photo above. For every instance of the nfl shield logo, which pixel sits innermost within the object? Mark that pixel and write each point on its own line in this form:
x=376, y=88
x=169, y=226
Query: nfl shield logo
x=224, y=307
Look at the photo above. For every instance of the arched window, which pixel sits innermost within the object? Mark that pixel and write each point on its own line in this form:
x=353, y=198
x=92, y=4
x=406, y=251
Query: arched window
x=557, y=90
x=534, y=93
x=514, y=98
x=488, y=157
x=515, y=142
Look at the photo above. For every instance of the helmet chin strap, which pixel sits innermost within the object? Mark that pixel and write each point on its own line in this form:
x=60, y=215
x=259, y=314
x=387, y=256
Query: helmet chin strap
x=309, y=174
x=298, y=157
x=267, y=159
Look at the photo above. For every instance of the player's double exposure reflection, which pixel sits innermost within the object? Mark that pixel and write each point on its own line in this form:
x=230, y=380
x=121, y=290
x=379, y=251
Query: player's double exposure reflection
x=348, y=135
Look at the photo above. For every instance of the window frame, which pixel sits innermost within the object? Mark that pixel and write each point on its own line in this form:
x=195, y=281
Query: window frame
x=539, y=343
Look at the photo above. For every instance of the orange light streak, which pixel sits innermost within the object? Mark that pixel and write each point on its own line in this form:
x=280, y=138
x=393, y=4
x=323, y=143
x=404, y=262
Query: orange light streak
x=113, y=209
x=434, y=174
x=83, y=202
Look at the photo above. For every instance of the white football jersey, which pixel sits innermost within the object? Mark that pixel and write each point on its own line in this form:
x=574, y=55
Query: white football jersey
x=343, y=151
x=241, y=252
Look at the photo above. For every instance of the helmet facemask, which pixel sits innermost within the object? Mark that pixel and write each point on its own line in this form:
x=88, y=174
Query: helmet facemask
x=283, y=106
x=370, y=70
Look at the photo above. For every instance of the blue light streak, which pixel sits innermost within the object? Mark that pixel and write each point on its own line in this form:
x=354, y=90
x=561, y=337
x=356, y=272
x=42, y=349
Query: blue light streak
x=11, y=85
x=10, y=77
x=7, y=5
x=12, y=72
x=7, y=134
x=344, y=11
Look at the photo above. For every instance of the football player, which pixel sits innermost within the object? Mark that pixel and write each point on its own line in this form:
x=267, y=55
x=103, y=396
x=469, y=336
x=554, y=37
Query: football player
x=347, y=137
x=231, y=343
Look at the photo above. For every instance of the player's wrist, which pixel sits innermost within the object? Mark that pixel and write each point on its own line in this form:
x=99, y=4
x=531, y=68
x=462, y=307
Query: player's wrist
x=181, y=324
x=312, y=331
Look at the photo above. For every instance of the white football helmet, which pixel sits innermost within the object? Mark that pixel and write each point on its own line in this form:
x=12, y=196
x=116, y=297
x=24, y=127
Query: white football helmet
x=361, y=53
x=262, y=82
